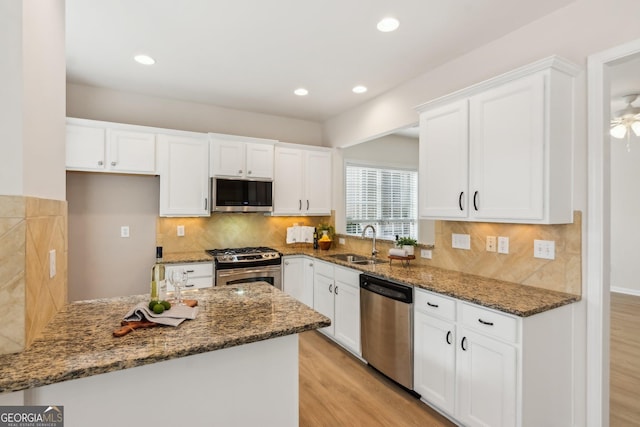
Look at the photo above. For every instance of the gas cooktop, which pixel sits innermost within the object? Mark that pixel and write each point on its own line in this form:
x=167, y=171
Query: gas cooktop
x=243, y=255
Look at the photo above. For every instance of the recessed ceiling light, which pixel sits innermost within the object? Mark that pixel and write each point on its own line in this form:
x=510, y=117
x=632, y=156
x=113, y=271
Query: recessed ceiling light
x=388, y=24
x=359, y=89
x=144, y=59
x=301, y=91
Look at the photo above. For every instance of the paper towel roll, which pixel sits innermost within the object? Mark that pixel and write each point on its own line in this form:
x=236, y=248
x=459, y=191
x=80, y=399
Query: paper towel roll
x=397, y=252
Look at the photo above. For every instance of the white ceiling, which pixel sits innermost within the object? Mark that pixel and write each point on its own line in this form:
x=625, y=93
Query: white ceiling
x=251, y=54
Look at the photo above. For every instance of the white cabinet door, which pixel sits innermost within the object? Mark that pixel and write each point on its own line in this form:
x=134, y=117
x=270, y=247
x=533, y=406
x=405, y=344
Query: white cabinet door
x=297, y=273
x=288, y=181
x=318, y=181
x=307, y=274
x=347, y=308
x=132, y=152
x=435, y=361
x=227, y=157
x=507, y=140
x=85, y=148
x=200, y=275
x=323, y=300
x=443, y=164
x=259, y=161
x=487, y=380
x=184, y=176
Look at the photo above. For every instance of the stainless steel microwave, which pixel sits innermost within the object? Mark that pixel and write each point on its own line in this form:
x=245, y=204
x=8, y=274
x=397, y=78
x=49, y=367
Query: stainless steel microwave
x=237, y=195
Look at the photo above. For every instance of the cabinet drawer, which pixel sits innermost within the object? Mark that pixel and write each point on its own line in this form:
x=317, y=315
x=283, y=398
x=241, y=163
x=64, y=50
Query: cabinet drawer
x=348, y=276
x=489, y=322
x=323, y=268
x=438, y=305
x=203, y=269
x=194, y=283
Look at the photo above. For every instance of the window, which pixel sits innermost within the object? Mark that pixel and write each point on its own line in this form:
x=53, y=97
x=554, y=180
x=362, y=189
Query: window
x=387, y=198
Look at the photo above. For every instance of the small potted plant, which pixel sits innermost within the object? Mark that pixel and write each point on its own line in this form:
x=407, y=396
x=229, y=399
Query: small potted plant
x=407, y=243
x=326, y=234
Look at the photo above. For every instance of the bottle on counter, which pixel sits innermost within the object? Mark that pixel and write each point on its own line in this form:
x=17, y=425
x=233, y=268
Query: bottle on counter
x=315, y=238
x=158, y=282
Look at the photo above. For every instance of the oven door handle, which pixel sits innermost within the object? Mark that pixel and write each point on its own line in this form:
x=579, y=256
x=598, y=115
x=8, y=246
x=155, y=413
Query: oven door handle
x=242, y=271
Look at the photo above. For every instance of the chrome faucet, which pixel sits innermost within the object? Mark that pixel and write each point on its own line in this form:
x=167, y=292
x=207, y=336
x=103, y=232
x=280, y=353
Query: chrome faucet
x=374, y=251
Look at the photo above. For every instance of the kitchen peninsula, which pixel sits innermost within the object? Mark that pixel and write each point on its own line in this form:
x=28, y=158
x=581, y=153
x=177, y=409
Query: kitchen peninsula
x=235, y=364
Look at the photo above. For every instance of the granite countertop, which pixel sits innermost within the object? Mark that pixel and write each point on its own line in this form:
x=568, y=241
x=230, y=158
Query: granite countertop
x=512, y=298
x=198, y=256
x=79, y=342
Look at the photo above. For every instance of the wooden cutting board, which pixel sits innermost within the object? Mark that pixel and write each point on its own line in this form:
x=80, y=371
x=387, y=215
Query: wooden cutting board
x=130, y=326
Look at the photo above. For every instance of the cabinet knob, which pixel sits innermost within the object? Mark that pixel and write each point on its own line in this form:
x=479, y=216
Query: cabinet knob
x=113, y=163
x=310, y=264
x=460, y=200
x=331, y=288
x=100, y=163
x=299, y=205
x=335, y=291
x=286, y=263
x=239, y=170
x=248, y=172
x=464, y=339
x=448, y=337
x=307, y=204
x=475, y=200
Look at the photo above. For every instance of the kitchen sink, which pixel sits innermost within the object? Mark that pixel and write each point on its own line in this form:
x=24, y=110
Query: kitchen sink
x=357, y=259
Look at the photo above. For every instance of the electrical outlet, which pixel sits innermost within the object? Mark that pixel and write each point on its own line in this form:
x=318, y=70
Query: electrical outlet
x=341, y=240
x=124, y=231
x=545, y=249
x=503, y=245
x=461, y=241
x=180, y=231
x=425, y=253
x=52, y=263
x=491, y=243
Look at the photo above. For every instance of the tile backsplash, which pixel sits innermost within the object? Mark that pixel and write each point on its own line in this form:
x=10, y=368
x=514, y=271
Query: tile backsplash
x=29, y=228
x=564, y=273
x=228, y=230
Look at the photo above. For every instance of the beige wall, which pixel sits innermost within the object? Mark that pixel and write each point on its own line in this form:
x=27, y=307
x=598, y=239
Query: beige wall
x=94, y=103
x=33, y=212
x=101, y=263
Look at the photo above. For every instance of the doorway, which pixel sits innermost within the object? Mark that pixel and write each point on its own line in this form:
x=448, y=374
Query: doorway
x=597, y=286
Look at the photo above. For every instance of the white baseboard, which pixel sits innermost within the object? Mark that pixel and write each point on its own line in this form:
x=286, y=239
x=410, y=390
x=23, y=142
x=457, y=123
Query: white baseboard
x=627, y=291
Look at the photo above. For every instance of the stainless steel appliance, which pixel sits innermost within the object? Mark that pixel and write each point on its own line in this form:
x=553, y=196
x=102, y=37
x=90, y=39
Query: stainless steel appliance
x=241, y=265
x=386, y=327
x=241, y=195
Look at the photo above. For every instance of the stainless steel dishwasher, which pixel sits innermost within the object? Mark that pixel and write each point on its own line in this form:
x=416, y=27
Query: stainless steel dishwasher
x=386, y=327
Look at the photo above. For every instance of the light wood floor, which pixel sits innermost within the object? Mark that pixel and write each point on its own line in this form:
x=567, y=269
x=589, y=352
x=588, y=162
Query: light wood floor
x=625, y=361
x=338, y=390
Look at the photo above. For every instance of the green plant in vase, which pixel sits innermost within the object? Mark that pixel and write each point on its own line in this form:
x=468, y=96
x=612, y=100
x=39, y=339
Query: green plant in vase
x=408, y=244
x=325, y=228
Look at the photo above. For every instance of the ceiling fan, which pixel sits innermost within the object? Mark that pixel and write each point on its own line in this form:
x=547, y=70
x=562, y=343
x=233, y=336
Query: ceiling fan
x=626, y=120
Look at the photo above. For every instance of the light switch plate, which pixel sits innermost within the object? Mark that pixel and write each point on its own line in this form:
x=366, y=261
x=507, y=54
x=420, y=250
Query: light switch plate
x=545, y=249
x=180, y=230
x=503, y=245
x=124, y=231
x=461, y=241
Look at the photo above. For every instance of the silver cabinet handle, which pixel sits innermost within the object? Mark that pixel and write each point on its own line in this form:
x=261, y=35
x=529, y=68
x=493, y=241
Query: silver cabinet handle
x=307, y=204
x=335, y=291
x=113, y=163
x=206, y=203
x=100, y=163
x=331, y=288
x=299, y=205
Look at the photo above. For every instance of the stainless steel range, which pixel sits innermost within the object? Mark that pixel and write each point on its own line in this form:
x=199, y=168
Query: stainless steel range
x=241, y=265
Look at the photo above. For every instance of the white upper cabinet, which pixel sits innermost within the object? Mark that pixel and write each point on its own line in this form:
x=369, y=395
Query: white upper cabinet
x=103, y=147
x=443, y=184
x=184, y=175
x=302, y=181
x=85, y=148
x=241, y=157
x=132, y=152
x=501, y=151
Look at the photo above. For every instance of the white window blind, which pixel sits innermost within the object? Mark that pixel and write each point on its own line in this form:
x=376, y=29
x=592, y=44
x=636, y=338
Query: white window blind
x=384, y=197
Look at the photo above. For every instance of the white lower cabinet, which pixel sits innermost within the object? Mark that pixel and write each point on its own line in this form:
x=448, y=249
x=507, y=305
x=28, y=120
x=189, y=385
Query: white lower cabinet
x=336, y=294
x=297, y=278
x=486, y=368
x=200, y=274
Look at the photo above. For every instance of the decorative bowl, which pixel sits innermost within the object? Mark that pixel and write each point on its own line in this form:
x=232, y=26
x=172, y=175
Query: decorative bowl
x=324, y=244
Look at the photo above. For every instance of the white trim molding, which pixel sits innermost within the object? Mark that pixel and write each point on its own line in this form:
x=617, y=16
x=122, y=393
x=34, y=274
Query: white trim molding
x=597, y=282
